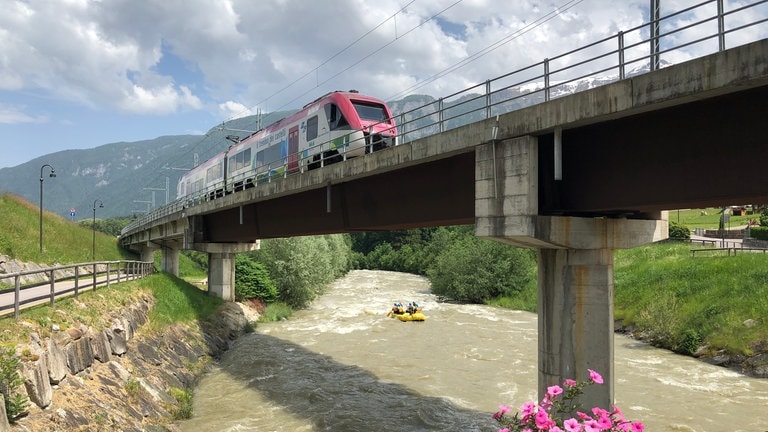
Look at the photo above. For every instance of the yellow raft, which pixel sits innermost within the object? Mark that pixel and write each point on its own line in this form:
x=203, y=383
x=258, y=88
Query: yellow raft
x=416, y=316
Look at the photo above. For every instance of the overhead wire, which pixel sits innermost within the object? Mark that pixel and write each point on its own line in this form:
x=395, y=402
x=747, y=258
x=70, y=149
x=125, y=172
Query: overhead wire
x=527, y=28
x=458, y=65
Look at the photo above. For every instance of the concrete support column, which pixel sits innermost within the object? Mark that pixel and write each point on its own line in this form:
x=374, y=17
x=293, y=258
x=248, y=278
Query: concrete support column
x=221, y=266
x=148, y=253
x=575, y=307
x=221, y=275
x=170, y=261
x=575, y=264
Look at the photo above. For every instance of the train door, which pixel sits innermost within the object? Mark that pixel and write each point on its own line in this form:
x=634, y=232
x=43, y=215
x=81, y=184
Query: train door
x=293, y=149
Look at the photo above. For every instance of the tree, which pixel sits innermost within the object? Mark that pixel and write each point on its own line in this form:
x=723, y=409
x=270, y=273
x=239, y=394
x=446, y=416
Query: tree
x=252, y=281
x=474, y=270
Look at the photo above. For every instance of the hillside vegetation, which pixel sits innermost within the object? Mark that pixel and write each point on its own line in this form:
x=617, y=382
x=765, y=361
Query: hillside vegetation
x=64, y=241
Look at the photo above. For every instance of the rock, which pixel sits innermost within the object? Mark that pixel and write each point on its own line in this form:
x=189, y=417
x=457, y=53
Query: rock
x=749, y=323
x=117, y=342
x=36, y=381
x=100, y=346
x=57, y=362
x=4, y=425
x=79, y=356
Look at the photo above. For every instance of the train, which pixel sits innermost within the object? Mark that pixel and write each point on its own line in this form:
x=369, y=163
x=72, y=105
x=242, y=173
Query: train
x=336, y=126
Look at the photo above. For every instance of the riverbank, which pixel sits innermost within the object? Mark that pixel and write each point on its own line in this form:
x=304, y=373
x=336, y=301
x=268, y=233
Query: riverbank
x=118, y=375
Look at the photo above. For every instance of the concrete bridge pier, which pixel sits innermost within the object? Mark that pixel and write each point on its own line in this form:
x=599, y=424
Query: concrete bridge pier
x=170, y=260
x=575, y=264
x=221, y=266
x=147, y=252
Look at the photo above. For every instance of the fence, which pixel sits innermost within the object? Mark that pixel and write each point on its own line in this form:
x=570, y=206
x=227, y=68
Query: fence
x=64, y=280
x=641, y=49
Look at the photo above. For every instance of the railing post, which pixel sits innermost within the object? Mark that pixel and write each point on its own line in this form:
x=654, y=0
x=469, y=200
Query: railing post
x=77, y=280
x=107, y=275
x=655, y=11
x=720, y=25
x=16, y=295
x=53, y=288
x=118, y=271
x=620, y=36
x=546, y=80
x=487, y=99
x=440, y=115
x=94, y=276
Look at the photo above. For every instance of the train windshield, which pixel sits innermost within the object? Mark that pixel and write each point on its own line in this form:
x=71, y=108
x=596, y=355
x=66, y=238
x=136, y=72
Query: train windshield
x=367, y=111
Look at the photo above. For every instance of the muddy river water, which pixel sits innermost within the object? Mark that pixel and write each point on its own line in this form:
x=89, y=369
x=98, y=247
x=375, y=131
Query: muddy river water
x=341, y=365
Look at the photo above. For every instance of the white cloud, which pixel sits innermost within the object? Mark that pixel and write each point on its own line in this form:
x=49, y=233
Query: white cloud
x=232, y=110
x=15, y=115
x=280, y=54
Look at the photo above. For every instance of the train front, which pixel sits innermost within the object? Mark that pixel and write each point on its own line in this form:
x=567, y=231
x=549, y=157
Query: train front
x=374, y=118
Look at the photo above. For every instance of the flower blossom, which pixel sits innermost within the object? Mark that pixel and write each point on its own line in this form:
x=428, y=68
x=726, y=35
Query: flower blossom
x=595, y=377
x=572, y=425
x=569, y=383
x=554, y=390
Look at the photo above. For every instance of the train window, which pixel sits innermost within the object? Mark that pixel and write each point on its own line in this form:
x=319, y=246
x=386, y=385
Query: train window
x=240, y=160
x=335, y=117
x=375, y=112
x=311, y=128
x=271, y=156
x=214, y=173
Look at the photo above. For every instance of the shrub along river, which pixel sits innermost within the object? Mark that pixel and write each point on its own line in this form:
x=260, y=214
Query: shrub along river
x=341, y=365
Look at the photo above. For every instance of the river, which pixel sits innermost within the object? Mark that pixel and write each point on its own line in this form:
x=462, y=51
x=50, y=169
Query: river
x=341, y=365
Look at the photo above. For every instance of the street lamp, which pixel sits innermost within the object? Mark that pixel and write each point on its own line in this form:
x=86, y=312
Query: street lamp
x=52, y=174
x=93, y=227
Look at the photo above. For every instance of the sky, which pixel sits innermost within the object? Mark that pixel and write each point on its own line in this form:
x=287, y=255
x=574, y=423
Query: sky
x=76, y=74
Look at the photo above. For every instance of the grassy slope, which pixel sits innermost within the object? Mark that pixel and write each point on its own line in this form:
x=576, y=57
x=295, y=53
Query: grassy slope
x=662, y=288
x=64, y=241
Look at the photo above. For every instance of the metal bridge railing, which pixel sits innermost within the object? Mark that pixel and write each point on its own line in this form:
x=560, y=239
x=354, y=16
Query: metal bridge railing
x=32, y=287
x=641, y=49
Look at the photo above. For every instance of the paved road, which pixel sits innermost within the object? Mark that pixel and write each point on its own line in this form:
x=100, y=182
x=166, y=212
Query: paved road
x=41, y=294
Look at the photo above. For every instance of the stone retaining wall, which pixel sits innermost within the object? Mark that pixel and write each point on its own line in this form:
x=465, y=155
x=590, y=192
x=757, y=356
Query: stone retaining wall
x=82, y=378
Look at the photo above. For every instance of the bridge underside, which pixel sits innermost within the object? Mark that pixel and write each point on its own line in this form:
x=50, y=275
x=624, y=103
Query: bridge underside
x=438, y=193
x=705, y=154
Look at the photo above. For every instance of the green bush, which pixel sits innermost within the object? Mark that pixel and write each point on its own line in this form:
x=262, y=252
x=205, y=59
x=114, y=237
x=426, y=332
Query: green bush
x=759, y=232
x=678, y=231
x=252, y=281
x=16, y=404
x=764, y=217
x=475, y=270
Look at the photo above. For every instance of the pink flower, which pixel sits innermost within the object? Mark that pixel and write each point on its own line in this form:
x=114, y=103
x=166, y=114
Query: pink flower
x=504, y=430
x=554, y=390
x=572, y=425
x=592, y=426
x=595, y=377
x=555, y=429
x=583, y=416
x=569, y=383
x=543, y=421
x=503, y=409
x=526, y=410
x=637, y=427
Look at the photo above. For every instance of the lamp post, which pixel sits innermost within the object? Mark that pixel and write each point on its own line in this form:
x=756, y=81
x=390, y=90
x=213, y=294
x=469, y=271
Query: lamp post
x=52, y=174
x=93, y=227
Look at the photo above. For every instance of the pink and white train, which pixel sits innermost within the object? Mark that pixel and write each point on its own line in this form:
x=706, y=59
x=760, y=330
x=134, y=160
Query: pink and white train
x=336, y=126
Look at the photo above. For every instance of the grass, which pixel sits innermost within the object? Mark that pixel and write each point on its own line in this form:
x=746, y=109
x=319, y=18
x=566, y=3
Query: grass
x=177, y=302
x=64, y=241
x=708, y=218
x=675, y=297
x=276, y=312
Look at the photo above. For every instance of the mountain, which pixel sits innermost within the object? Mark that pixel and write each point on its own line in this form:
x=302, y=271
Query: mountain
x=132, y=177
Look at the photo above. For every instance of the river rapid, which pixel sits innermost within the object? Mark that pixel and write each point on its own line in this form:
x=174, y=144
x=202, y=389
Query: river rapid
x=341, y=365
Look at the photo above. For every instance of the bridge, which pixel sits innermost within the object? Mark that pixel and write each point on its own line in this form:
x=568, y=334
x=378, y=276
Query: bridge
x=575, y=176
